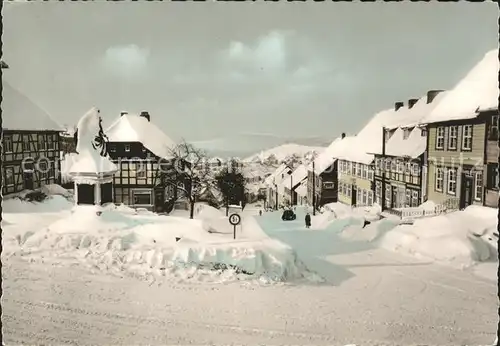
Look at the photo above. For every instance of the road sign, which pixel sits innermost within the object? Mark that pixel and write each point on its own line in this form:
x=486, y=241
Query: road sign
x=234, y=219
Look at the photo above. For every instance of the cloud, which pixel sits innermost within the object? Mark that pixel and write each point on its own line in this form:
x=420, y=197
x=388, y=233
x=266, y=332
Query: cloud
x=129, y=61
x=268, y=54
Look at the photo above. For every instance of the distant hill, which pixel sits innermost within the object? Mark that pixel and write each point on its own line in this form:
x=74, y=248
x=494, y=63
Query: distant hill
x=246, y=144
x=283, y=152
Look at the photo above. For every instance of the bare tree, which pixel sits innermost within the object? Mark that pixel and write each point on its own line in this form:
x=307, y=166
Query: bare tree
x=191, y=174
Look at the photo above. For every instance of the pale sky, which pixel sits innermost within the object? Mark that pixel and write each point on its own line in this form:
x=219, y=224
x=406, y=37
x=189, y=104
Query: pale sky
x=209, y=70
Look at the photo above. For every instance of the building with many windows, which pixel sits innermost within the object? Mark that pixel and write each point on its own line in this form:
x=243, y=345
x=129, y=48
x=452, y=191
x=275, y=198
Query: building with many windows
x=31, y=144
x=144, y=156
x=401, y=165
x=459, y=130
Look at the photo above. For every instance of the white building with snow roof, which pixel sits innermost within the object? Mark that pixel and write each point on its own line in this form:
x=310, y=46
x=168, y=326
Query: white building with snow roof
x=145, y=160
x=31, y=143
x=463, y=139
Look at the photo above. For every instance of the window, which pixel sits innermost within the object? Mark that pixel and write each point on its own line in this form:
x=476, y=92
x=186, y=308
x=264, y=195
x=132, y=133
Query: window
x=364, y=171
x=423, y=132
x=370, y=172
x=26, y=143
x=467, y=137
x=452, y=137
x=439, y=179
x=43, y=169
x=370, y=198
x=452, y=181
x=387, y=164
x=406, y=133
x=355, y=168
x=401, y=167
x=127, y=147
x=394, y=166
x=493, y=133
x=350, y=167
x=365, y=197
x=42, y=143
x=142, y=197
x=492, y=176
x=9, y=176
x=414, y=199
x=7, y=144
x=478, y=186
x=440, y=138
x=415, y=169
x=328, y=185
x=359, y=196
x=112, y=148
x=378, y=189
x=141, y=172
x=50, y=143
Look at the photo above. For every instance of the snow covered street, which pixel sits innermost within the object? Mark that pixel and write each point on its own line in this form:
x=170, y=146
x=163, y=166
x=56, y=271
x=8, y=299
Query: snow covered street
x=371, y=297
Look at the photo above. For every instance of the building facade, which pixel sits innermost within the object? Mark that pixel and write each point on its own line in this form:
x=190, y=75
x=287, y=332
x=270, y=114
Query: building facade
x=31, y=144
x=491, y=169
x=145, y=163
x=355, y=183
x=325, y=188
x=456, y=162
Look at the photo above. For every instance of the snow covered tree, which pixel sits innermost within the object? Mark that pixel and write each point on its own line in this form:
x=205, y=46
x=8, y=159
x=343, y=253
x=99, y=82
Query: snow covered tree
x=191, y=174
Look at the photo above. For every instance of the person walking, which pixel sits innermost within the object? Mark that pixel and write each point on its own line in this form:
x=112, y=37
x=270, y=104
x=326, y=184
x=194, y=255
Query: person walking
x=260, y=212
x=308, y=220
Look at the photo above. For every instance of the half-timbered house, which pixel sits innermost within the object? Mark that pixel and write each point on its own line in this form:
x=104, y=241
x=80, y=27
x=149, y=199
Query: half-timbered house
x=144, y=156
x=459, y=135
x=401, y=164
x=31, y=140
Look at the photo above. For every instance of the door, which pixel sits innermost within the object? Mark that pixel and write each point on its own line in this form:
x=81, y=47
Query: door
x=85, y=194
x=354, y=195
x=159, y=202
x=28, y=180
x=394, y=199
x=466, y=191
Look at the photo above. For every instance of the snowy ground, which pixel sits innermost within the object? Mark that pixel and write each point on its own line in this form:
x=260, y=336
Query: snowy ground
x=370, y=296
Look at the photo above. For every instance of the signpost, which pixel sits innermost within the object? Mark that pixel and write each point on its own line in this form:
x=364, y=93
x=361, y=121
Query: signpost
x=234, y=219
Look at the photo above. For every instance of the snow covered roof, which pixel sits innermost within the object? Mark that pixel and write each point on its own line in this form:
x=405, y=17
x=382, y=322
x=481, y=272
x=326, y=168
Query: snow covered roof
x=20, y=113
x=298, y=175
x=325, y=159
x=135, y=128
x=91, y=163
x=273, y=178
x=352, y=148
x=408, y=118
x=476, y=92
x=302, y=189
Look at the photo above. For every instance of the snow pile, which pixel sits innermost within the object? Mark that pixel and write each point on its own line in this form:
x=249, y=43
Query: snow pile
x=122, y=241
x=338, y=211
x=54, y=203
x=461, y=238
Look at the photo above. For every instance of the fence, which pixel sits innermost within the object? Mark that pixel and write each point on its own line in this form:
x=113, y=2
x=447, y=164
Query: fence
x=419, y=212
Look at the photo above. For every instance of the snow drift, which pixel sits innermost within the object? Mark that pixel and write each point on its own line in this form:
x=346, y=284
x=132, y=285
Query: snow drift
x=121, y=240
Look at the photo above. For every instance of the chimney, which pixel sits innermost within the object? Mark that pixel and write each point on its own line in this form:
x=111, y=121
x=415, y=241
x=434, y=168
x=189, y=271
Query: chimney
x=431, y=94
x=411, y=102
x=145, y=114
x=343, y=135
x=398, y=105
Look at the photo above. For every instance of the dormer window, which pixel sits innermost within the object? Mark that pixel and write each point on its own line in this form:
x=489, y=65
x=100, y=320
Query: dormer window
x=406, y=133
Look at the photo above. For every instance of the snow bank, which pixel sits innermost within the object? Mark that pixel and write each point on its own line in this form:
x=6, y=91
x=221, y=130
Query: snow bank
x=336, y=211
x=461, y=239
x=120, y=240
x=51, y=204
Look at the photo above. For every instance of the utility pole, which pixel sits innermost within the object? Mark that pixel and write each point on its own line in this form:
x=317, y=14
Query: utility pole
x=291, y=192
x=314, y=190
x=383, y=206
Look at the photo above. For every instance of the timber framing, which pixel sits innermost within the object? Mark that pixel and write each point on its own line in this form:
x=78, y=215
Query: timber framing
x=30, y=159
